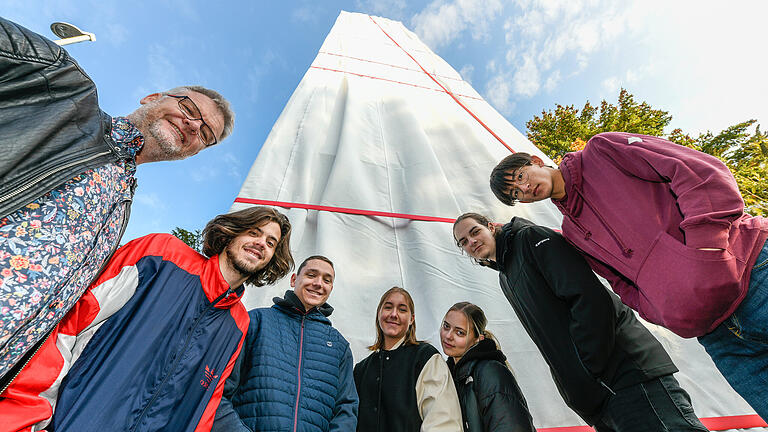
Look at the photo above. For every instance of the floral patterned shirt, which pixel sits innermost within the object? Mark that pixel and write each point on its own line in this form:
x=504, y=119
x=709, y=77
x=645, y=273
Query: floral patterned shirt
x=51, y=249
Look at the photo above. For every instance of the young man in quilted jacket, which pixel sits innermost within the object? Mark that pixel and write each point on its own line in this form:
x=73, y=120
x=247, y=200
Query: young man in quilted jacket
x=295, y=371
x=665, y=225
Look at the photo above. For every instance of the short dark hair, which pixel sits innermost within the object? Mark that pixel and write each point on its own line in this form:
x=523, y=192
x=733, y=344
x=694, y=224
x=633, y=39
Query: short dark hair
x=220, y=231
x=499, y=180
x=314, y=257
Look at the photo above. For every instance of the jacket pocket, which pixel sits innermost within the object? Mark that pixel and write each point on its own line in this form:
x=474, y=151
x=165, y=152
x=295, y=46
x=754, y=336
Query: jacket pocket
x=686, y=289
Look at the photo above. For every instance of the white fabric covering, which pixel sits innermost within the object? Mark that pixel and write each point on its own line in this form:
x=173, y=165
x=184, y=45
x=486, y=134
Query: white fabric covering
x=366, y=129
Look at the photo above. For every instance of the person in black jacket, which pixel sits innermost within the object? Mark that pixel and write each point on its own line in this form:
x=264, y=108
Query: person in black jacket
x=489, y=395
x=607, y=366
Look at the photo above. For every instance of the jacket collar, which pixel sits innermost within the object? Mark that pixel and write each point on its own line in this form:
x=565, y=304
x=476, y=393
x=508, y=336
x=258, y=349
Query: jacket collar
x=215, y=286
x=290, y=303
x=508, y=231
x=483, y=350
x=397, y=345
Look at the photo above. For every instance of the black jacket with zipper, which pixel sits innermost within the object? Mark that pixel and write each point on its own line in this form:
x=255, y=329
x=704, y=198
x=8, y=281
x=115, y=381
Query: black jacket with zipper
x=51, y=127
x=592, y=342
x=491, y=400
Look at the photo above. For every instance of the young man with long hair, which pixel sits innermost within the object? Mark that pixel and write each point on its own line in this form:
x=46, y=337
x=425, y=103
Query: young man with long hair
x=151, y=343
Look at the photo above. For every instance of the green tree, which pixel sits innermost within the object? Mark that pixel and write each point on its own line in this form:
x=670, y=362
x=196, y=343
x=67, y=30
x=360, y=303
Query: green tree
x=556, y=131
x=566, y=129
x=193, y=239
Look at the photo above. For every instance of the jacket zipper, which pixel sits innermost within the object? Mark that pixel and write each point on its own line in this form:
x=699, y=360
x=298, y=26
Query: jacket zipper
x=298, y=390
x=124, y=224
x=49, y=173
x=593, y=376
x=26, y=362
x=179, y=356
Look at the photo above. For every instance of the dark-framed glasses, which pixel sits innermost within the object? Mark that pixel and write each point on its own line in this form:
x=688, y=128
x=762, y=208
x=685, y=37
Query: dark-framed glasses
x=192, y=112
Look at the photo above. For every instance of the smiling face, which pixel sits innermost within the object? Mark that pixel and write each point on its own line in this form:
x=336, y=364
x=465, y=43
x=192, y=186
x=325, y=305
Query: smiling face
x=475, y=239
x=394, y=318
x=456, y=335
x=168, y=133
x=313, y=284
x=252, y=250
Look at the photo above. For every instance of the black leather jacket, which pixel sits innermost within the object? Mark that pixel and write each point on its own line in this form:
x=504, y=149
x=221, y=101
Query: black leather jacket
x=491, y=400
x=591, y=341
x=51, y=127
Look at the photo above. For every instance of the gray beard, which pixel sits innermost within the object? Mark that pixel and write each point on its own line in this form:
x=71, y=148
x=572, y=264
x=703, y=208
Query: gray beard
x=166, y=148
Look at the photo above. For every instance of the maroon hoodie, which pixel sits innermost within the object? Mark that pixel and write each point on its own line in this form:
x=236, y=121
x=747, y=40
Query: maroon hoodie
x=639, y=206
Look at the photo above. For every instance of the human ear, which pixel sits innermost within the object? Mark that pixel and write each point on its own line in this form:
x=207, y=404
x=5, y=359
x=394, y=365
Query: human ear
x=535, y=160
x=293, y=280
x=150, y=98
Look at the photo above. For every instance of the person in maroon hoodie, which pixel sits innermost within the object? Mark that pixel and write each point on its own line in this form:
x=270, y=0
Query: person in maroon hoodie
x=665, y=225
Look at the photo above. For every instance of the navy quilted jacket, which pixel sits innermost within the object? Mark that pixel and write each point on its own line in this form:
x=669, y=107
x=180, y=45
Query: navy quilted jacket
x=294, y=374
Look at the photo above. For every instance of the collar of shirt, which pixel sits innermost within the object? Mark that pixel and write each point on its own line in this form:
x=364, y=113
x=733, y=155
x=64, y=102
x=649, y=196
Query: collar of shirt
x=128, y=138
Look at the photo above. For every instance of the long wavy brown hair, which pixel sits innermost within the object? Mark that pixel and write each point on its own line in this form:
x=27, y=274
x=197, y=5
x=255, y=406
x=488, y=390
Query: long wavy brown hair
x=410, y=334
x=219, y=232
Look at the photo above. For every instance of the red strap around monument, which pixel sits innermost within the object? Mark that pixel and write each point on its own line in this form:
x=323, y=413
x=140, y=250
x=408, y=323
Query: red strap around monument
x=442, y=87
x=343, y=210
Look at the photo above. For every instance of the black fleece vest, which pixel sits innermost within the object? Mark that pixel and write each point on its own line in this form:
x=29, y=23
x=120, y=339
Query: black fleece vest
x=386, y=384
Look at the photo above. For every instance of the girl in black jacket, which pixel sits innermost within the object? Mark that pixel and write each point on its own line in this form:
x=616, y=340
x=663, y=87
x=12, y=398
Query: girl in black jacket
x=490, y=397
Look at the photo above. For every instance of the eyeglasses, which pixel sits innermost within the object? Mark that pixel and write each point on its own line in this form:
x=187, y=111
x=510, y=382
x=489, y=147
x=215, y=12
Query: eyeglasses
x=192, y=112
x=519, y=178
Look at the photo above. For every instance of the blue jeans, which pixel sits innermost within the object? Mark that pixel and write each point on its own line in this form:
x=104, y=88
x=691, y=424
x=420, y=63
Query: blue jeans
x=739, y=345
x=658, y=405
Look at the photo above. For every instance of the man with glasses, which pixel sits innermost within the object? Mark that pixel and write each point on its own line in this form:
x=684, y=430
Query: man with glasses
x=665, y=225
x=67, y=179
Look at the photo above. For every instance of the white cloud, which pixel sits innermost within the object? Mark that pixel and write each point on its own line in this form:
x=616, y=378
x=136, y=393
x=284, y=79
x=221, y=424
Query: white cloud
x=552, y=81
x=545, y=33
x=466, y=72
x=611, y=85
x=232, y=164
x=527, y=80
x=258, y=71
x=304, y=14
x=151, y=200
x=392, y=9
x=498, y=93
x=162, y=71
x=443, y=21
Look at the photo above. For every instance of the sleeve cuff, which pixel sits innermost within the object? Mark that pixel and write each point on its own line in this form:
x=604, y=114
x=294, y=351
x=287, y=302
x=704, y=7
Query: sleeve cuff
x=706, y=236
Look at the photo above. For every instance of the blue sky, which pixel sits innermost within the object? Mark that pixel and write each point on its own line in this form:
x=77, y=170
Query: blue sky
x=704, y=62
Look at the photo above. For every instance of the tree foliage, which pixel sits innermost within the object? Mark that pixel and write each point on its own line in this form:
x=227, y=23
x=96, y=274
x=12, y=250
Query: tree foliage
x=193, y=239
x=566, y=129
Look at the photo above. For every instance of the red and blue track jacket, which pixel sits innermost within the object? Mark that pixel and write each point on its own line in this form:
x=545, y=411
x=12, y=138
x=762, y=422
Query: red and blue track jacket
x=148, y=347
